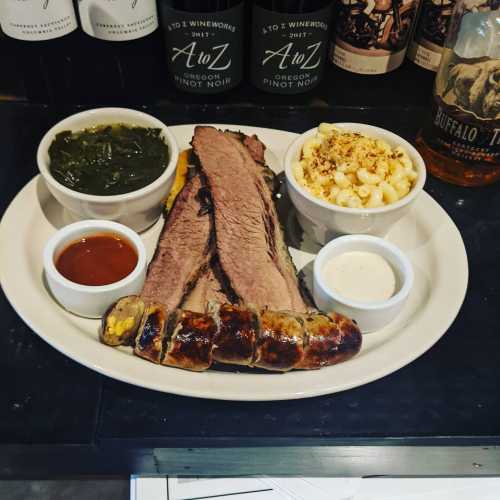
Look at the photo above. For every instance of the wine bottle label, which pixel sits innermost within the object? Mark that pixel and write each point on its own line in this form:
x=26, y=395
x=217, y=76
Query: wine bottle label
x=118, y=20
x=289, y=50
x=432, y=27
x=371, y=36
x=37, y=20
x=204, y=51
x=422, y=53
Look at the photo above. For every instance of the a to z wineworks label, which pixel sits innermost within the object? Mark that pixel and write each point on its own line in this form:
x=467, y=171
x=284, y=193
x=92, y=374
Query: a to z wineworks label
x=118, y=20
x=37, y=20
x=204, y=51
x=289, y=50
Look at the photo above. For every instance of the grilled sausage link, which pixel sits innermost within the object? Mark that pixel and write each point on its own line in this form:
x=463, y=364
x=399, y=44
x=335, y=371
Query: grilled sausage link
x=121, y=321
x=230, y=334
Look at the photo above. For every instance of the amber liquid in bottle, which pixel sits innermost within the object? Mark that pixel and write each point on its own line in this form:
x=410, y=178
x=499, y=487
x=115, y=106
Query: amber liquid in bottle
x=461, y=142
x=452, y=170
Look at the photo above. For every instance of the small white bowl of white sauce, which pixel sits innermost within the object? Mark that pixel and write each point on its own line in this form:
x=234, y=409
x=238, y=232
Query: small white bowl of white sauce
x=366, y=278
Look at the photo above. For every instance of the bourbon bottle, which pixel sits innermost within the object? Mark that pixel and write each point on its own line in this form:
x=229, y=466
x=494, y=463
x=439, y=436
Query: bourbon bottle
x=461, y=142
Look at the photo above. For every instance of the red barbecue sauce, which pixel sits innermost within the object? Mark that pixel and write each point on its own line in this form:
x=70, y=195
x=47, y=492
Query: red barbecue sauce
x=97, y=260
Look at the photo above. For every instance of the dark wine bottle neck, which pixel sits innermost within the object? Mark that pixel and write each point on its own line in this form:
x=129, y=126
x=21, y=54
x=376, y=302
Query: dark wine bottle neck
x=201, y=5
x=293, y=6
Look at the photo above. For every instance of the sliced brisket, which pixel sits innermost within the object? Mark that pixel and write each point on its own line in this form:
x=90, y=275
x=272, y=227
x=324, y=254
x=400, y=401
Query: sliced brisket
x=212, y=285
x=280, y=253
x=253, y=144
x=257, y=150
x=183, y=249
x=248, y=237
x=209, y=287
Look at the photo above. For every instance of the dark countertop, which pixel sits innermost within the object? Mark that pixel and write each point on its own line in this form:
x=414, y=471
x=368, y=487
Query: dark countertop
x=57, y=417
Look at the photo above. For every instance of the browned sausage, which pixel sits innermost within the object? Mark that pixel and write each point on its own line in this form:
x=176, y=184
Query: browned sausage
x=234, y=342
x=280, y=343
x=149, y=341
x=273, y=340
x=191, y=343
x=121, y=321
x=331, y=339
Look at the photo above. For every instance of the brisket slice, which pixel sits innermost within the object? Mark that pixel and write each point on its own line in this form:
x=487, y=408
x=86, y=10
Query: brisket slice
x=281, y=255
x=212, y=284
x=183, y=250
x=257, y=150
x=248, y=236
x=185, y=270
x=210, y=287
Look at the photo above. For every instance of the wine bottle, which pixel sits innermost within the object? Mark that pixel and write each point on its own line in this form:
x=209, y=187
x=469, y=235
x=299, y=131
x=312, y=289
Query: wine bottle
x=289, y=44
x=40, y=35
x=120, y=51
x=204, y=43
x=371, y=36
x=432, y=27
x=293, y=6
x=11, y=81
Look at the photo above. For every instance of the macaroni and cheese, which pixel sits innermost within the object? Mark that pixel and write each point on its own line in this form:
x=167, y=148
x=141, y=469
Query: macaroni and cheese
x=352, y=170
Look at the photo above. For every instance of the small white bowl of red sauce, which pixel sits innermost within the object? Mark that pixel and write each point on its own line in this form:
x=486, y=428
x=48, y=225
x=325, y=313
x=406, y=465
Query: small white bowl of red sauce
x=91, y=264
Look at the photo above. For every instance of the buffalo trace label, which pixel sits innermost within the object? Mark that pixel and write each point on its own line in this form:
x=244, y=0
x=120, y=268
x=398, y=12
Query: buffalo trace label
x=469, y=141
x=204, y=51
x=465, y=113
x=37, y=20
x=289, y=50
x=118, y=20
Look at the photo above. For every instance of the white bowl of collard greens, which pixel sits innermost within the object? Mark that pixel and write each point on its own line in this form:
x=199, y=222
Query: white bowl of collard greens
x=83, y=170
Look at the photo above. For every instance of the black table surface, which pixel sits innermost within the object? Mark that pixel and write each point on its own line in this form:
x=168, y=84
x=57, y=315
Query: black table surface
x=59, y=417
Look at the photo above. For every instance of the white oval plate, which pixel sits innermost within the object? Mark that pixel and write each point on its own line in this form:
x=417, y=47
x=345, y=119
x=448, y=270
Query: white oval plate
x=426, y=234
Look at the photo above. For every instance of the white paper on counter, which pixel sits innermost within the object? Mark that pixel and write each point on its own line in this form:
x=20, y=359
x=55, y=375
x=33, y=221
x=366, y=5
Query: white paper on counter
x=201, y=488
x=234, y=488
x=303, y=488
x=317, y=488
x=429, y=489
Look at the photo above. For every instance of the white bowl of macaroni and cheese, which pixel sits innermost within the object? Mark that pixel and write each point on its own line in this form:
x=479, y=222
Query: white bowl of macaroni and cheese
x=352, y=178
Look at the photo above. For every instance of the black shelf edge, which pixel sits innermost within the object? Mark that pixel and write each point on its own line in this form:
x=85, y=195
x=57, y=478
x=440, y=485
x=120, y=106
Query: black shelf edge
x=38, y=461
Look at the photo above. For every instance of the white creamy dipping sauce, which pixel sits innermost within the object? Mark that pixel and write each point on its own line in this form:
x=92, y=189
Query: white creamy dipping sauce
x=360, y=276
